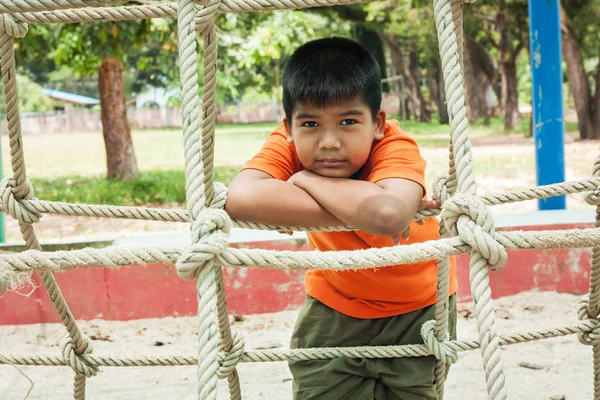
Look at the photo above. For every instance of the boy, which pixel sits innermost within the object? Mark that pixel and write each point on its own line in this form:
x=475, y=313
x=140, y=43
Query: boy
x=334, y=161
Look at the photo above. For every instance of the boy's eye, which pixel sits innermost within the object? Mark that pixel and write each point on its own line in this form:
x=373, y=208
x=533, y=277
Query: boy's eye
x=310, y=124
x=349, y=122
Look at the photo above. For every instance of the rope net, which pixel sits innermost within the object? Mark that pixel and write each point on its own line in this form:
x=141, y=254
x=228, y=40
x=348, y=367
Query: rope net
x=467, y=226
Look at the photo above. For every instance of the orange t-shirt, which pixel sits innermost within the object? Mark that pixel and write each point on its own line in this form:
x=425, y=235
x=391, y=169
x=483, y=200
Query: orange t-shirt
x=366, y=293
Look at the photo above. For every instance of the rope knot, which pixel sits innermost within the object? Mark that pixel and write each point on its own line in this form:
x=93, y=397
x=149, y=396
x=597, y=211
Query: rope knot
x=440, y=189
x=228, y=361
x=219, y=196
x=469, y=218
x=206, y=13
x=12, y=27
x=583, y=313
x=77, y=358
x=10, y=201
x=441, y=350
x=593, y=198
x=213, y=227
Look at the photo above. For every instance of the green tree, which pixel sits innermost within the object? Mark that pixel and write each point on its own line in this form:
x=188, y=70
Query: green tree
x=102, y=49
x=406, y=27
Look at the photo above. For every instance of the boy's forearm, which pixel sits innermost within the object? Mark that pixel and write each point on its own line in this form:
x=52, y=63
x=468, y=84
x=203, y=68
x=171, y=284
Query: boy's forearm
x=274, y=202
x=360, y=204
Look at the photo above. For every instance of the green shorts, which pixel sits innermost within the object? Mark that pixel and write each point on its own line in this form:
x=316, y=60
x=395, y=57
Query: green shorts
x=363, y=379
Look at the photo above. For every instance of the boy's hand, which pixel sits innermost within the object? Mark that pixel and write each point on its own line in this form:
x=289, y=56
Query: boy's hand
x=424, y=205
x=299, y=175
x=428, y=203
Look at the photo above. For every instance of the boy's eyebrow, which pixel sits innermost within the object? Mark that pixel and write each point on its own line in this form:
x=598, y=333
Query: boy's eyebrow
x=305, y=116
x=343, y=114
x=351, y=112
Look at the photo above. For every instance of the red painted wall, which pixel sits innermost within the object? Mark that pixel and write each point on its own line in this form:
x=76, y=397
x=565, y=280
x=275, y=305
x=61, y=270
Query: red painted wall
x=156, y=291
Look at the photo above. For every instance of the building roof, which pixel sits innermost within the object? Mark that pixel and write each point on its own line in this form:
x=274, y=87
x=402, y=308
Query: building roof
x=70, y=97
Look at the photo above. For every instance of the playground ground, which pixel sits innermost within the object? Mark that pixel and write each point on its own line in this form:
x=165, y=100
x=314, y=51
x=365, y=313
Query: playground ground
x=555, y=369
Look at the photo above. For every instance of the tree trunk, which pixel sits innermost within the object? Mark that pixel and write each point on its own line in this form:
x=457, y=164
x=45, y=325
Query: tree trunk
x=432, y=85
x=120, y=158
x=412, y=89
x=578, y=81
x=443, y=107
x=415, y=76
x=476, y=84
x=508, y=72
x=481, y=57
x=510, y=95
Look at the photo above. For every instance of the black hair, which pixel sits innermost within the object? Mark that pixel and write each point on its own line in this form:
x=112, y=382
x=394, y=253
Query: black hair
x=328, y=71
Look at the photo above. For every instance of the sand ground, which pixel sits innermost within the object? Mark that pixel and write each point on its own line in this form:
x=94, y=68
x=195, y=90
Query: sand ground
x=556, y=369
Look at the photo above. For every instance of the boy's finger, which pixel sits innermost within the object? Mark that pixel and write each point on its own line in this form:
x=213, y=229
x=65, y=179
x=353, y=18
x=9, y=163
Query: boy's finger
x=396, y=240
x=406, y=234
x=425, y=204
x=420, y=222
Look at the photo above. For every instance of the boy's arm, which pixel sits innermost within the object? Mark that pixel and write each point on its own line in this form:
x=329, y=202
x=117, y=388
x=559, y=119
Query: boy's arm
x=385, y=208
x=257, y=197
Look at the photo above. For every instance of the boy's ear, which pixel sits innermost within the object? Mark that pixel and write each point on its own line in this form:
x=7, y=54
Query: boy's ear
x=380, y=120
x=288, y=132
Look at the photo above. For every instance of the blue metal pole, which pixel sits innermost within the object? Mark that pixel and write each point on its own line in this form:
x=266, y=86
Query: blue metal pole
x=547, y=78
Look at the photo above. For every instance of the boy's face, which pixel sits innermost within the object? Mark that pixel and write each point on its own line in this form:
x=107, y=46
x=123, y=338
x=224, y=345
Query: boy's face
x=334, y=141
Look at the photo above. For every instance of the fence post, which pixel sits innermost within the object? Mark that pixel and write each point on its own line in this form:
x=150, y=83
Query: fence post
x=59, y=115
x=96, y=120
x=239, y=111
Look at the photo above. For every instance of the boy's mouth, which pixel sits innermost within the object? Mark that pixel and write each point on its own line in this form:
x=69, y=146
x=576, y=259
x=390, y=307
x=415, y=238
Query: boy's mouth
x=331, y=162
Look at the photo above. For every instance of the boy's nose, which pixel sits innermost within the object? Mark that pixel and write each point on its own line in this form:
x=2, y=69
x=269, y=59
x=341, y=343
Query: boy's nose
x=329, y=141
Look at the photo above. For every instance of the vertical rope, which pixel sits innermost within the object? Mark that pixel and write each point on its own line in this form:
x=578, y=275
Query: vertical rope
x=209, y=118
x=479, y=273
x=441, y=316
x=443, y=276
x=594, y=295
x=209, y=36
x=196, y=199
x=22, y=188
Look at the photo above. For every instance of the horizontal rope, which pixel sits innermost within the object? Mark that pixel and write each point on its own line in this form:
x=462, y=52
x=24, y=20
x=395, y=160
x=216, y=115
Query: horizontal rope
x=303, y=354
x=166, y=10
x=164, y=215
x=12, y=6
x=12, y=266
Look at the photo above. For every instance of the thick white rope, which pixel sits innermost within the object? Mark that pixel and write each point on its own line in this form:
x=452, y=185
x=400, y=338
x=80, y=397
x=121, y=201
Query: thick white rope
x=592, y=309
x=226, y=360
x=464, y=216
x=18, y=187
x=479, y=221
x=11, y=6
x=71, y=14
x=13, y=266
x=31, y=210
x=201, y=226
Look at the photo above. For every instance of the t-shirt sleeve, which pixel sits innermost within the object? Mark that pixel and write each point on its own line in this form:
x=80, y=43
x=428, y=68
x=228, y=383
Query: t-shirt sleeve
x=276, y=157
x=397, y=156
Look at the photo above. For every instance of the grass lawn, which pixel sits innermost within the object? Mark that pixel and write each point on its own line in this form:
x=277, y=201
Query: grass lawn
x=71, y=166
x=65, y=154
